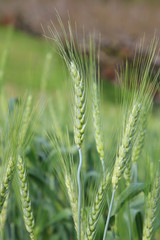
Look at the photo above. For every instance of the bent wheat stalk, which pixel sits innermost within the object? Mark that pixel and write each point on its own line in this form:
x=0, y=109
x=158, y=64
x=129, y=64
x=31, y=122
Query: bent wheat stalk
x=79, y=127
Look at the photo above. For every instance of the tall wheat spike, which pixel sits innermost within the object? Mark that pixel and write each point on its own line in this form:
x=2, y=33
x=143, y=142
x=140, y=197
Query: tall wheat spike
x=137, y=147
x=140, y=78
x=21, y=170
x=94, y=77
x=79, y=108
x=97, y=126
x=126, y=146
x=76, y=64
x=79, y=127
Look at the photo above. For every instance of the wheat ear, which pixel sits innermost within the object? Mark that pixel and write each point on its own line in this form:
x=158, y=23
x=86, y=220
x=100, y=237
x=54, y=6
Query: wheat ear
x=79, y=108
x=72, y=198
x=137, y=147
x=96, y=209
x=123, y=155
x=152, y=202
x=25, y=198
x=139, y=140
x=97, y=125
x=25, y=120
x=6, y=183
x=3, y=214
x=127, y=173
x=79, y=127
x=126, y=146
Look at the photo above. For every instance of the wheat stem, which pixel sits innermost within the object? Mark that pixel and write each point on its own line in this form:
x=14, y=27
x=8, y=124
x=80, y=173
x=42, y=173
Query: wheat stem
x=109, y=214
x=134, y=172
x=79, y=193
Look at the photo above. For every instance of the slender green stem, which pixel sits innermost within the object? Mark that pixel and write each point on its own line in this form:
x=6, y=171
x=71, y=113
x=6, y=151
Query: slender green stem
x=79, y=193
x=109, y=214
x=103, y=166
x=134, y=176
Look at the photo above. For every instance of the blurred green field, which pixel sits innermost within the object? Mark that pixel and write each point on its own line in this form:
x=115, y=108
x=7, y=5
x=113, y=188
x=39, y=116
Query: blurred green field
x=25, y=60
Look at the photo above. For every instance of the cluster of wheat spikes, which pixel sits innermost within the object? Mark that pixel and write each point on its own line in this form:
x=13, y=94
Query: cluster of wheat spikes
x=138, y=83
x=14, y=139
x=110, y=200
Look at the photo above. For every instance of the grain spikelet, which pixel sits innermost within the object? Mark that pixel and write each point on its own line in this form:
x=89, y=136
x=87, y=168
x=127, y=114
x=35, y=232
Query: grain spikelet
x=126, y=146
x=151, y=208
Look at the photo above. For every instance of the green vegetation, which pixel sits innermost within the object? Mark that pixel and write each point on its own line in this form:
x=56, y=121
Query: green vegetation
x=61, y=126
x=25, y=60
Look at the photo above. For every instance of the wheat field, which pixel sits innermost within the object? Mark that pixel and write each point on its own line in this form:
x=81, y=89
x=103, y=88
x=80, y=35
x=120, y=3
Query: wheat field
x=74, y=164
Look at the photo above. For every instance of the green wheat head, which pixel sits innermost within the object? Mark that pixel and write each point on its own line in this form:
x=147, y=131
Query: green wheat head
x=25, y=197
x=96, y=208
x=126, y=146
x=75, y=61
x=137, y=79
x=94, y=77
